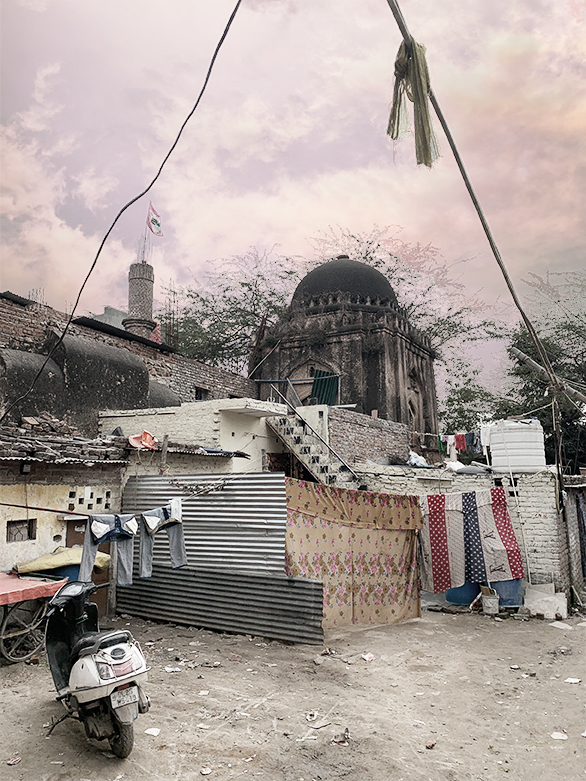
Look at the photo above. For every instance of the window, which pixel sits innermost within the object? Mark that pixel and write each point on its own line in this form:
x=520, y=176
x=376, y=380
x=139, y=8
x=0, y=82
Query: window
x=21, y=531
x=201, y=394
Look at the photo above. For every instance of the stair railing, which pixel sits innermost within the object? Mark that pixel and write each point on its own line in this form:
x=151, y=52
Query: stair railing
x=315, y=433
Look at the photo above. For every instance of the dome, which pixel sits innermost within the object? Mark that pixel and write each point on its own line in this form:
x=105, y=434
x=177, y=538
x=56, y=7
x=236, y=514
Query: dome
x=345, y=276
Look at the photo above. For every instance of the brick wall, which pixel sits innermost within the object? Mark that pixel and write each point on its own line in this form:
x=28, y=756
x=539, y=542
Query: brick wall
x=47, y=473
x=25, y=328
x=357, y=436
x=539, y=527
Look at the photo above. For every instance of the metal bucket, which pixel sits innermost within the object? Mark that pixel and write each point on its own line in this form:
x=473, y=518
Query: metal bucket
x=490, y=604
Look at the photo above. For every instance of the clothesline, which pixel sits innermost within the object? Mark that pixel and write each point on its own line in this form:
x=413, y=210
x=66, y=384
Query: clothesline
x=511, y=417
x=471, y=441
x=43, y=509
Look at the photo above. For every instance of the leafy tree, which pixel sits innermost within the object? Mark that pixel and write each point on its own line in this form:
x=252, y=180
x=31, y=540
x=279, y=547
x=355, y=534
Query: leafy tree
x=216, y=320
x=466, y=403
x=530, y=395
x=556, y=305
x=558, y=309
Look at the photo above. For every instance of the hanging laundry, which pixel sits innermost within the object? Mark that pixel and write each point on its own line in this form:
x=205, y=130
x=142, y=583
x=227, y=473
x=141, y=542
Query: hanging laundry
x=469, y=438
x=476, y=445
x=153, y=521
x=460, y=441
x=485, y=437
x=109, y=528
x=467, y=537
x=451, y=445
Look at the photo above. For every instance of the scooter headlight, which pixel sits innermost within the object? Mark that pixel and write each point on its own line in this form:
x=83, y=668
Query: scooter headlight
x=105, y=671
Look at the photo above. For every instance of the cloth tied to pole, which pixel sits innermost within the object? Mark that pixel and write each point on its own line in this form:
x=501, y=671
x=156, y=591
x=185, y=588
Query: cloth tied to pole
x=412, y=79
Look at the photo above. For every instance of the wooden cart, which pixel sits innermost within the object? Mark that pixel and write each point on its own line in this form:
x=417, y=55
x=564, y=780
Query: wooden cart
x=23, y=606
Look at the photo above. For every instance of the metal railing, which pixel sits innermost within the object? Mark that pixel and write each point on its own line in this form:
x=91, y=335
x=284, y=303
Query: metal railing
x=315, y=433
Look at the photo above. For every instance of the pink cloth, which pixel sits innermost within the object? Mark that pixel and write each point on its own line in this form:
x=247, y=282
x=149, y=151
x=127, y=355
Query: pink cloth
x=14, y=589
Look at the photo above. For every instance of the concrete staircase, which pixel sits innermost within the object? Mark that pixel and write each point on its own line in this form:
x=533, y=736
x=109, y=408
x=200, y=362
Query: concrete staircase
x=319, y=461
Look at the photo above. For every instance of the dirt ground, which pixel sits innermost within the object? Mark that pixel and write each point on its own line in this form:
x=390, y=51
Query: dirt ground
x=486, y=694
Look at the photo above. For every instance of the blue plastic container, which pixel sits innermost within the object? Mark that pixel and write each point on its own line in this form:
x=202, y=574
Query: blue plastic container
x=510, y=592
x=463, y=595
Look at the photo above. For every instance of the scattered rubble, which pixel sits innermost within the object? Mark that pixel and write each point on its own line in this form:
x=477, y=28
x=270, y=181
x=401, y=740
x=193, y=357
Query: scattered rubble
x=45, y=438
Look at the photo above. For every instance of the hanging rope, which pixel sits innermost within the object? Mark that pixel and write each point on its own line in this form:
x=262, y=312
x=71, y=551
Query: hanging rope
x=412, y=80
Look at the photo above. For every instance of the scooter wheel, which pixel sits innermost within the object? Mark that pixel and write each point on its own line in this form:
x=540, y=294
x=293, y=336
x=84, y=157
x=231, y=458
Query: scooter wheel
x=123, y=741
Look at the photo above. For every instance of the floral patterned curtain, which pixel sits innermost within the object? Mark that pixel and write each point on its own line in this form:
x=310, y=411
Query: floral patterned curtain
x=363, y=547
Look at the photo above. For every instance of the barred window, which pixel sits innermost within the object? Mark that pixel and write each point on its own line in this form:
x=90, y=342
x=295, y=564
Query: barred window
x=21, y=531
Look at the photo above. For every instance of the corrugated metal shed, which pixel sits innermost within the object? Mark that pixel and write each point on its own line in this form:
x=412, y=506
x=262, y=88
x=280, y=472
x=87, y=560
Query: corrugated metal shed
x=235, y=541
x=240, y=527
x=276, y=607
x=325, y=387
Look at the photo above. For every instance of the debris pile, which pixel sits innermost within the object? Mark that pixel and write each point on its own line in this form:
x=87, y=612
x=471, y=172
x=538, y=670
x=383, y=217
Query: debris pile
x=45, y=438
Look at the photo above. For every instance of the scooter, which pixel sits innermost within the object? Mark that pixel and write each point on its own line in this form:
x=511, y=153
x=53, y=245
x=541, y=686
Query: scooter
x=98, y=675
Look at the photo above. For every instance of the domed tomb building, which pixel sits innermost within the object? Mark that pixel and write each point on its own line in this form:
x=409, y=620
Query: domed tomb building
x=344, y=320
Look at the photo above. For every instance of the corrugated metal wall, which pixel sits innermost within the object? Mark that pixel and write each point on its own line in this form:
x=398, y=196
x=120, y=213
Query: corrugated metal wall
x=239, y=527
x=276, y=607
x=235, y=541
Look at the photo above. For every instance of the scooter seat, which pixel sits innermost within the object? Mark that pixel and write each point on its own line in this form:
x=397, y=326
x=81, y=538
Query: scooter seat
x=91, y=638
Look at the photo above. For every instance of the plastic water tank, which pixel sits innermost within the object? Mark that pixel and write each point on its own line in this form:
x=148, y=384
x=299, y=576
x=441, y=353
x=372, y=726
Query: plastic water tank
x=517, y=446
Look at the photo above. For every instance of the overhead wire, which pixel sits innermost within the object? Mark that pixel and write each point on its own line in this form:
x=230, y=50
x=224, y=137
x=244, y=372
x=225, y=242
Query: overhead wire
x=121, y=212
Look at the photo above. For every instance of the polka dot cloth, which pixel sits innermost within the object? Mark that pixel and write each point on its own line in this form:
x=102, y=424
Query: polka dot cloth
x=504, y=527
x=475, y=569
x=439, y=546
x=467, y=536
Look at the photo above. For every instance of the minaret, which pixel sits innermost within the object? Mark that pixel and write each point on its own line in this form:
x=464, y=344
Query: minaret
x=141, y=280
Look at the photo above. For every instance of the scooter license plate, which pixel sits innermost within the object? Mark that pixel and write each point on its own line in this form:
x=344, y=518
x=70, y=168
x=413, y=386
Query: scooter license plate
x=124, y=696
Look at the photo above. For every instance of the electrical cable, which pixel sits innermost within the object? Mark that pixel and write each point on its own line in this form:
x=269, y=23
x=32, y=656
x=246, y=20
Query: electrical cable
x=121, y=212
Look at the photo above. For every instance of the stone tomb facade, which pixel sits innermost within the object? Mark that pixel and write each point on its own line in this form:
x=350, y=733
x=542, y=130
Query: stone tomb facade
x=344, y=319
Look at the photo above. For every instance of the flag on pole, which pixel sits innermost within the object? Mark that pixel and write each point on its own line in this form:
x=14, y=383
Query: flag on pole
x=154, y=221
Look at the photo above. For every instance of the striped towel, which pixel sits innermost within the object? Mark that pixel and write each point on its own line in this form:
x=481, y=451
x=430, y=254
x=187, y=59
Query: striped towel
x=467, y=537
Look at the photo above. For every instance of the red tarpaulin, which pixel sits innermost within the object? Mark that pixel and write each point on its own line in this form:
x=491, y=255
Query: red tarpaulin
x=14, y=589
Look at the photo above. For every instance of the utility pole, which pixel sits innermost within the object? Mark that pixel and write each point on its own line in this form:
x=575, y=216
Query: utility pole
x=561, y=384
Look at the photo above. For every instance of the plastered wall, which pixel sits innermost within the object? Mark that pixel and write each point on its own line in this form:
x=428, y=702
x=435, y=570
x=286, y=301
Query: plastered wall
x=227, y=424
x=77, y=490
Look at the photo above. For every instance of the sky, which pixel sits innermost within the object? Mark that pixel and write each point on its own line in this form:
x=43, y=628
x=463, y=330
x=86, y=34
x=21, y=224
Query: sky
x=289, y=139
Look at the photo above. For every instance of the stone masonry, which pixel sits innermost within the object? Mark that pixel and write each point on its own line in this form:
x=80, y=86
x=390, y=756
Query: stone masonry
x=25, y=327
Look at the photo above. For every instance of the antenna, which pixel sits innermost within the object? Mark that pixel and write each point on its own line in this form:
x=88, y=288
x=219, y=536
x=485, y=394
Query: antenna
x=144, y=248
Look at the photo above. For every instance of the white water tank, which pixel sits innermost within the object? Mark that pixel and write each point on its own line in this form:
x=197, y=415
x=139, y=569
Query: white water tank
x=517, y=446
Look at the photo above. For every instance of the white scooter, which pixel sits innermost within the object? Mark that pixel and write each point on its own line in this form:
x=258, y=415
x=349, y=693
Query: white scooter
x=98, y=675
